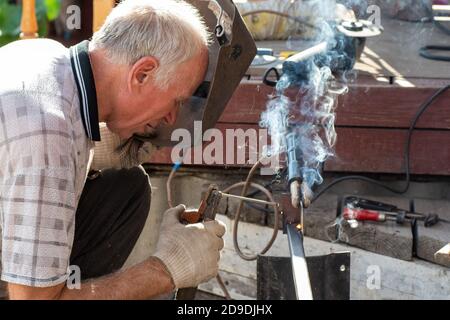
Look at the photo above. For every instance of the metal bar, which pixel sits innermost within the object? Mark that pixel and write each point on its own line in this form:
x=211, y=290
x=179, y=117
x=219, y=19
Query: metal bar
x=443, y=7
x=300, y=272
x=249, y=199
x=308, y=53
x=445, y=19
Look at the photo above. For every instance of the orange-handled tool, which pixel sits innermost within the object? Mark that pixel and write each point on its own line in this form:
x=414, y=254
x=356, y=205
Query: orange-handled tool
x=207, y=209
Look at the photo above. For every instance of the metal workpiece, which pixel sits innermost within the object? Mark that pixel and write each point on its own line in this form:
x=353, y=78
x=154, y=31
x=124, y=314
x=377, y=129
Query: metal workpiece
x=300, y=272
x=298, y=277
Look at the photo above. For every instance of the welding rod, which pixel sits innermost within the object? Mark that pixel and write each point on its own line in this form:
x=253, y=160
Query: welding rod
x=441, y=7
x=249, y=199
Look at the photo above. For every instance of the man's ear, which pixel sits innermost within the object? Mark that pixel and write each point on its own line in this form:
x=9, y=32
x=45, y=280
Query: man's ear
x=142, y=72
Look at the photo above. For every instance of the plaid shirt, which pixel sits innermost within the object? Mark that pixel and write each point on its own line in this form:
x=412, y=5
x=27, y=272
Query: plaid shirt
x=46, y=145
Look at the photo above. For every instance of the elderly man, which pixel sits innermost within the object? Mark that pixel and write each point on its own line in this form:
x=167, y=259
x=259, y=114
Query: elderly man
x=147, y=59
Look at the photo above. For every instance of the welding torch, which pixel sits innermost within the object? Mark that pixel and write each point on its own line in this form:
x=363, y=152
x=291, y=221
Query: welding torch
x=300, y=192
x=297, y=67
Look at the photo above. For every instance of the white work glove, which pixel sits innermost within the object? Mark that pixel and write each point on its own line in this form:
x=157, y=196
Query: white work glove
x=105, y=156
x=191, y=253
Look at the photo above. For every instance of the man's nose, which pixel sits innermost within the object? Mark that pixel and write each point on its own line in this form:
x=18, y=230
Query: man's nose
x=171, y=117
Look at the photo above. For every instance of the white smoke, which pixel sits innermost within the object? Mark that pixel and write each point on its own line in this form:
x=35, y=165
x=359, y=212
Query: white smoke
x=314, y=106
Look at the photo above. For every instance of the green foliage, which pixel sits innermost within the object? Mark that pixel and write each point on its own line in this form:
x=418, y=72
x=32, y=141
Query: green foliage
x=11, y=14
x=9, y=22
x=53, y=7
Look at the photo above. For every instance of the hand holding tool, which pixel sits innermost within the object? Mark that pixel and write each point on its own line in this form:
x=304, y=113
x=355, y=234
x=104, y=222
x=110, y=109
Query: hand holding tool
x=190, y=252
x=206, y=211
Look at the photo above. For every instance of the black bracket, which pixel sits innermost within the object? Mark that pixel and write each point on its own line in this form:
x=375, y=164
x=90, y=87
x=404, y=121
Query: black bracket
x=329, y=276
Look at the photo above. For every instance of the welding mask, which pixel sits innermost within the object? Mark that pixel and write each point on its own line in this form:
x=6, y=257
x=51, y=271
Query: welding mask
x=230, y=54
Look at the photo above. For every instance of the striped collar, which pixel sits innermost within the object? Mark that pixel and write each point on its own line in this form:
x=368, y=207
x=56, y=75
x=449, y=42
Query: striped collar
x=81, y=67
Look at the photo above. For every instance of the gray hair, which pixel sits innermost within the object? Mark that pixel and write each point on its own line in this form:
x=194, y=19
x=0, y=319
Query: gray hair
x=172, y=31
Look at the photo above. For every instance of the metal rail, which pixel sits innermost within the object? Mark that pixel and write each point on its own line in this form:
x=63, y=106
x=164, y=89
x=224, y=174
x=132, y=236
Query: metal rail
x=300, y=272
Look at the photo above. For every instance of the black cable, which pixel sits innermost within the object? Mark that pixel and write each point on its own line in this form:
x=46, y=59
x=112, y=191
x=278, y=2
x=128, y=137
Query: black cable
x=425, y=52
x=266, y=75
x=416, y=118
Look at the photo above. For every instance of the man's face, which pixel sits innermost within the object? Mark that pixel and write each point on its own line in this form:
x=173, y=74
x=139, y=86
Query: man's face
x=142, y=106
